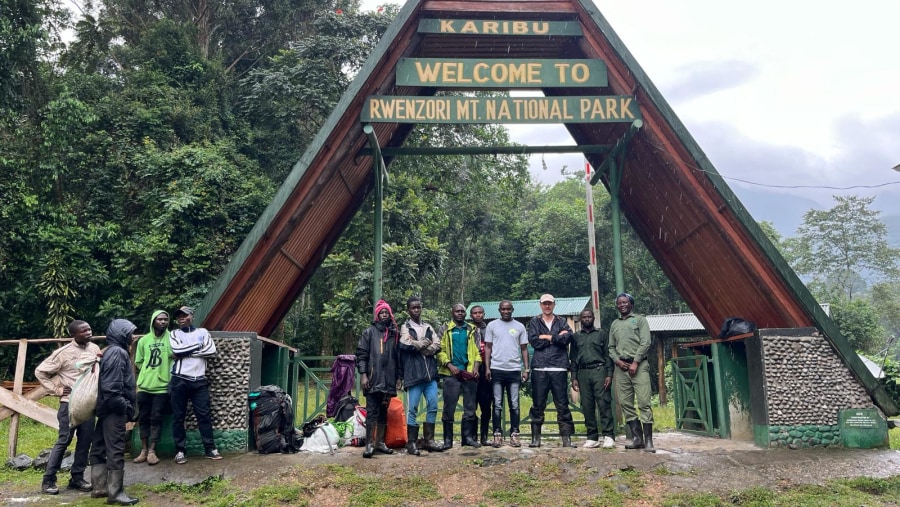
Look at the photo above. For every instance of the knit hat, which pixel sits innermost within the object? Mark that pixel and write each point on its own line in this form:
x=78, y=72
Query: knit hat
x=382, y=305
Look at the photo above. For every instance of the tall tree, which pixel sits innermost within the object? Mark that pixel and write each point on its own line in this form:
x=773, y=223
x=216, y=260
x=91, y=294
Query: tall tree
x=845, y=247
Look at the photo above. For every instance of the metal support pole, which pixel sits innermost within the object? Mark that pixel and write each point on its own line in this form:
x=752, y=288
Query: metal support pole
x=592, y=244
x=618, y=149
x=380, y=179
x=615, y=177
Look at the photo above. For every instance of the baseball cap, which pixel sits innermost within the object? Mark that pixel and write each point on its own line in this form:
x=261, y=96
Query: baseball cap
x=547, y=297
x=184, y=310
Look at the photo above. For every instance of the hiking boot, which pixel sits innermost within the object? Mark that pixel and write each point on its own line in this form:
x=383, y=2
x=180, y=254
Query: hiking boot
x=608, y=443
x=142, y=457
x=180, y=458
x=99, y=477
x=498, y=439
x=213, y=454
x=48, y=487
x=648, y=437
x=152, y=458
x=448, y=435
x=117, y=494
x=591, y=444
x=535, y=435
x=412, y=434
x=637, y=434
x=514, y=440
x=80, y=484
x=430, y=444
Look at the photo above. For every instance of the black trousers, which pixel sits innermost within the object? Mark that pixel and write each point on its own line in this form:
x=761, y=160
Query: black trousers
x=452, y=389
x=484, y=395
x=85, y=433
x=555, y=382
x=197, y=391
x=377, y=408
x=152, y=408
x=109, y=442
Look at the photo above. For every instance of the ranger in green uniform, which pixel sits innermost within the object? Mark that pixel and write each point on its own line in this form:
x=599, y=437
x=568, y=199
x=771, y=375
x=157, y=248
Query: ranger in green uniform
x=629, y=341
x=592, y=371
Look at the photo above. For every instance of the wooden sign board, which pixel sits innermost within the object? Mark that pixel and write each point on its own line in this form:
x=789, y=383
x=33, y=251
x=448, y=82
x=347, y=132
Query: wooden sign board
x=500, y=73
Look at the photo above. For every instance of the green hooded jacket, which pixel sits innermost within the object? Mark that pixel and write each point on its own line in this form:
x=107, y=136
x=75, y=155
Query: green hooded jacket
x=153, y=359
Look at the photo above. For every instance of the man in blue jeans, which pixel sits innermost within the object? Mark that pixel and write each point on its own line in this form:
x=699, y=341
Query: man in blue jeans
x=419, y=343
x=191, y=346
x=506, y=355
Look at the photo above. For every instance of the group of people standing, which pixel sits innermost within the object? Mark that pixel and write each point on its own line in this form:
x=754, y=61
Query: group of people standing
x=486, y=363
x=171, y=369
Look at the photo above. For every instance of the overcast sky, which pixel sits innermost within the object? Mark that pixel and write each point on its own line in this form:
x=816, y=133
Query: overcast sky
x=776, y=92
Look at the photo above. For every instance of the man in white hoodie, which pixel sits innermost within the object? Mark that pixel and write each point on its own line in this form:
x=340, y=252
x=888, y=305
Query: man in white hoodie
x=191, y=346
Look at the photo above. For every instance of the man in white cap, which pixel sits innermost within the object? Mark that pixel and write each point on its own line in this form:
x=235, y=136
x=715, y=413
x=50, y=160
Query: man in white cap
x=191, y=346
x=549, y=335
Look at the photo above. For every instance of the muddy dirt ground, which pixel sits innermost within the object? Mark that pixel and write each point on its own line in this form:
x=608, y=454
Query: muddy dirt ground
x=683, y=463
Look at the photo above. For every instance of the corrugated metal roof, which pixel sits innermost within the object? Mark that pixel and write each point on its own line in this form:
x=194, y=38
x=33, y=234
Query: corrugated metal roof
x=530, y=307
x=675, y=322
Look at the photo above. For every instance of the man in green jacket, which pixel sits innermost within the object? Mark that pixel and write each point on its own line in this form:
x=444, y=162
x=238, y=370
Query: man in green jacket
x=153, y=360
x=592, y=371
x=459, y=360
x=629, y=341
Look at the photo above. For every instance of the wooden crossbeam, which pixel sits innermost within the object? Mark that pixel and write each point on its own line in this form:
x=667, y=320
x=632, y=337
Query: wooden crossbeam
x=22, y=405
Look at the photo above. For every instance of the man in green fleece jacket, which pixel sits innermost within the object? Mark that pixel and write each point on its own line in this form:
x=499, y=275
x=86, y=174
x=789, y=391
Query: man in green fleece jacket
x=153, y=359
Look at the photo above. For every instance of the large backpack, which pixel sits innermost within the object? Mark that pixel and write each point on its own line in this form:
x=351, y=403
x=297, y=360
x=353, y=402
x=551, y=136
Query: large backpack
x=272, y=414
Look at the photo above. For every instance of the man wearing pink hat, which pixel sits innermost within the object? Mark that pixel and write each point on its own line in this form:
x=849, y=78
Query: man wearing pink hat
x=378, y=361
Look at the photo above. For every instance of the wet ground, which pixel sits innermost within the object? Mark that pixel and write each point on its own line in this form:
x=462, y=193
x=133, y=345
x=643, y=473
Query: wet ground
x=688, y=464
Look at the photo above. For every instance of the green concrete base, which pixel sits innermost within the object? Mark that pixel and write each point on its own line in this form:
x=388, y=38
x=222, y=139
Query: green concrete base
x=226, y=441
x=804, y=436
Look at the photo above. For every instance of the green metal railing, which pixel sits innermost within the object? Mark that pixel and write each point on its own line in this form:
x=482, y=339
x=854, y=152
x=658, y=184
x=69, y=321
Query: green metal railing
x=314, y=387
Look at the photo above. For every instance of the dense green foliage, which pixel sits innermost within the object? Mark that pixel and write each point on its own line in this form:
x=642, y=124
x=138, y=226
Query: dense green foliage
x=138, y=155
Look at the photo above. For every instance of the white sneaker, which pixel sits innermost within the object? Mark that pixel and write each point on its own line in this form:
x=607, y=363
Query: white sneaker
x=608, y=443
x=591, y=444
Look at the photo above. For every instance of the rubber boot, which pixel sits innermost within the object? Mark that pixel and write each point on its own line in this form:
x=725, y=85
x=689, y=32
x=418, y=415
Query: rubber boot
x=379, y=440
x=485, y=422
x=117, y=495
x=566, y=441
x=430, y=444
x=637, y=435
x=98, y=481
x=535, y=435
x=448, y=435
x=412, y=434
x=370, y=441
x=469, y=435
x=648, y=437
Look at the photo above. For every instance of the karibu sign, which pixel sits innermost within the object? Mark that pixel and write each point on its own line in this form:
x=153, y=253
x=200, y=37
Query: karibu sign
x=404, y=109
x=500, y=73
x=499, y=27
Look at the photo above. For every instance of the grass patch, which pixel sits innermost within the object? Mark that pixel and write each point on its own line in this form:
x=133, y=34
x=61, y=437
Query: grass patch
x=518, y=489
x=837, y=493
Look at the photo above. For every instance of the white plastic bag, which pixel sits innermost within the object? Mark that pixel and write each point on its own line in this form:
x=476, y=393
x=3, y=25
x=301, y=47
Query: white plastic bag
x=324, y=439
x=83, y=398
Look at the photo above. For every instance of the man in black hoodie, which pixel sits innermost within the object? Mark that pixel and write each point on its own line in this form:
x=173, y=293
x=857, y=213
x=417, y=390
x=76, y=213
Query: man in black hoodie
x=549, y=335
x=116, y=400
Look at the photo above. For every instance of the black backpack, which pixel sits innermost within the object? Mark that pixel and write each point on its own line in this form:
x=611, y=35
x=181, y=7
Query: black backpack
x=346, y=408
x=272, y=415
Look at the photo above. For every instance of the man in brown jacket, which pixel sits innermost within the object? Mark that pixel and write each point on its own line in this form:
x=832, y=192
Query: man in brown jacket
x=58, y=374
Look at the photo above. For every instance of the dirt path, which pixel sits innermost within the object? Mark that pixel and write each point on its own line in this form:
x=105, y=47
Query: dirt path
x=465, y=476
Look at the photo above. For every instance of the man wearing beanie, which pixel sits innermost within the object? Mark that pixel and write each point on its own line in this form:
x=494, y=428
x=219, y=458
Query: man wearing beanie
x=377, y=361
